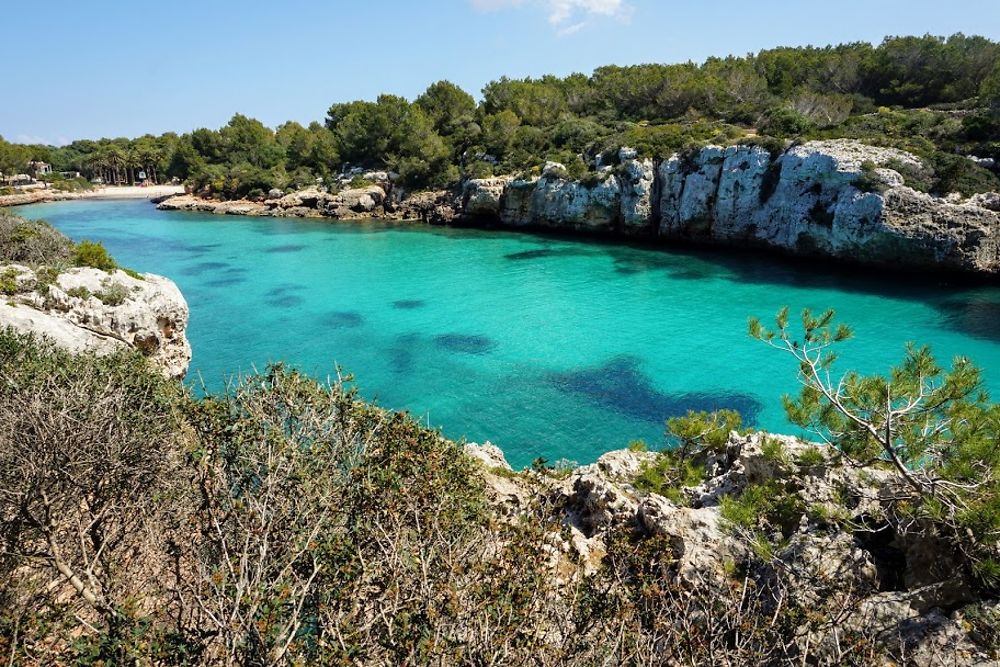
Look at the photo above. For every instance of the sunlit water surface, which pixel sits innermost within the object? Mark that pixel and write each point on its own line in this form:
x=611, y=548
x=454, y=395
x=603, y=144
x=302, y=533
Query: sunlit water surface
x=545, y=346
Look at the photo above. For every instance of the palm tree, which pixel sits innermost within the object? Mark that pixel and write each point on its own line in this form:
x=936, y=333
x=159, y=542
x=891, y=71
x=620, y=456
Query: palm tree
x=116, y=162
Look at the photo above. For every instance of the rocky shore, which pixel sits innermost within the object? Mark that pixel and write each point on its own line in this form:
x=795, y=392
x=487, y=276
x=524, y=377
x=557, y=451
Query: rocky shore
x=834, y=199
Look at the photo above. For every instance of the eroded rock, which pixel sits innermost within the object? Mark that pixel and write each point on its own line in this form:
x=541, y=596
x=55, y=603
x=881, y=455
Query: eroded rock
x=89, y=309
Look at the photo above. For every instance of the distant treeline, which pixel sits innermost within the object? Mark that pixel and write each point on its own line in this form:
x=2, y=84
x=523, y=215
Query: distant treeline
x=937, y=97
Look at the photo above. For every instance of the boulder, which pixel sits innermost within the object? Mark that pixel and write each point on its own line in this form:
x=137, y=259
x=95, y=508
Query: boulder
x=90, y=309
x=481, y=196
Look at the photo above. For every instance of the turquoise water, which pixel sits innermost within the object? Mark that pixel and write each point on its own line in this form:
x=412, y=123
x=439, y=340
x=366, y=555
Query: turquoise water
x=545, y=346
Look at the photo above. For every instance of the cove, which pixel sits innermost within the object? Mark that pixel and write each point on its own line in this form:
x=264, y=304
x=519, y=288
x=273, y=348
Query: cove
x=545, y=346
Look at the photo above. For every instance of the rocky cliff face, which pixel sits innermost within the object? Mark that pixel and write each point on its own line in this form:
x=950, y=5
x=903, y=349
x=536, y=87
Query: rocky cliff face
x=813, y=200
x=88, y=309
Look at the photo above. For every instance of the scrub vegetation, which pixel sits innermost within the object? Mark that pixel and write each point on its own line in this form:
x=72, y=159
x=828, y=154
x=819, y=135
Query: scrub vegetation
x=286, y=521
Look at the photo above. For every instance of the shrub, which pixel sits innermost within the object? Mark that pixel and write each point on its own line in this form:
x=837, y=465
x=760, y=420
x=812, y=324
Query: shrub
x=785, y=123
x=918, y=178
x=31, y=242
x=955, y=173
x=79, y=292
x=8, y=281
x=361, y=182
x=93, y=255
x=112, y=293
x=763, y=508
x=869, y=180
x=86, y=445
x=681, y=464
x=810, y=456
x=773, y=450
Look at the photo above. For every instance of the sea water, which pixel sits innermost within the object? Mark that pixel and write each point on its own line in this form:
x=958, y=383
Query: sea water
x=546, y=346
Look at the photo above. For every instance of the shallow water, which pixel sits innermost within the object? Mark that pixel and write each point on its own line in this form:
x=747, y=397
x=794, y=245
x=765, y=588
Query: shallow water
x=545, y=346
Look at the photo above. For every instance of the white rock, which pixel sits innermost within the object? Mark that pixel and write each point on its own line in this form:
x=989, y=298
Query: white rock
x=151, y=318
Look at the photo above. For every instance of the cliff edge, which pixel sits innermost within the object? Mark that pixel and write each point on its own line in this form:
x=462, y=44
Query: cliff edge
x=86, y=309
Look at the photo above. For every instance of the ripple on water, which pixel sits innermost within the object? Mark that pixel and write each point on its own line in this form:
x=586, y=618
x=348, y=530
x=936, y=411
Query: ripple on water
x=621, y=386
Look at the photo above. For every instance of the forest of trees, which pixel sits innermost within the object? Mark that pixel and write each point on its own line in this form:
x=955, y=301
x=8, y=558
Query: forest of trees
x=937, y=97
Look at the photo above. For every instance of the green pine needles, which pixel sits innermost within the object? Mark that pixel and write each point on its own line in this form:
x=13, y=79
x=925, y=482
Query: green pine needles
x=936, y=429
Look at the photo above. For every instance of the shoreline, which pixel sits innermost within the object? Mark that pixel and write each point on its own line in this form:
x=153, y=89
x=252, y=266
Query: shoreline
x=108, y=192
x=427, y=208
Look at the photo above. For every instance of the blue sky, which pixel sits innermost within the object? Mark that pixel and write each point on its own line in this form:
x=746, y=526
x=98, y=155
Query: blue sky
x=110, y=68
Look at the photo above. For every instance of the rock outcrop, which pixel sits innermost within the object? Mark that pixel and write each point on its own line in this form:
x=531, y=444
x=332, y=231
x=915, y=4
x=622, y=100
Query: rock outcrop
x=364, y=203
x=832, y=557
x=815, y=199
x=87, y=309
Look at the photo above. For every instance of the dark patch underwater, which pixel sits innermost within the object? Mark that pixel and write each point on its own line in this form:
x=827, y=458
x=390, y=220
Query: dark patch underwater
x=622, y=387
x=408, y=304
x=342, y=319
x=466, y=344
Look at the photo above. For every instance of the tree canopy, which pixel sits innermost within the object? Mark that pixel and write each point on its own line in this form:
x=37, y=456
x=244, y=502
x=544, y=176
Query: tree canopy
x=938, y=97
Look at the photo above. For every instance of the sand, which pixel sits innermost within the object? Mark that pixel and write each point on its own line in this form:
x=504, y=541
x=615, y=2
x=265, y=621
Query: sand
x=107, y=192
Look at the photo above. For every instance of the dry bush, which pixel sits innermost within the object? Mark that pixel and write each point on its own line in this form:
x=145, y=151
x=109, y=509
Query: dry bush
x=87, y=457
x=288, y=522
x=31, y=242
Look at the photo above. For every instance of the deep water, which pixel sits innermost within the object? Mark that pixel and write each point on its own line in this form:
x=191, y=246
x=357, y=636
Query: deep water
x=545, y=346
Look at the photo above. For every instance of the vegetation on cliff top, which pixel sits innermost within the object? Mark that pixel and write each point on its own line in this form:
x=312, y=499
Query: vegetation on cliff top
x=937, y=97
x=35, y=243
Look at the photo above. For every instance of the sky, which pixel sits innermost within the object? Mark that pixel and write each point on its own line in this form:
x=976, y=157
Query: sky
x=104, y=68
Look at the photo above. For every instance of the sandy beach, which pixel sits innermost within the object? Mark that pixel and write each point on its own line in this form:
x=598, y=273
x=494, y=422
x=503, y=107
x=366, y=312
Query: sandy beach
x=107, y=192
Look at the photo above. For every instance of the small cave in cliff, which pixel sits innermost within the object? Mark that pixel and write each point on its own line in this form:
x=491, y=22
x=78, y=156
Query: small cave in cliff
x=879, y=540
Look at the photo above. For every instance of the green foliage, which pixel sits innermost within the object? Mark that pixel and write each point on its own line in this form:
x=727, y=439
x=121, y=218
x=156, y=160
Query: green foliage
x=985, y=626
x=681, y=464
x=763, y=508
x=79, y=292
x=702, y=430
x=915, y=84
x=774, y=451
x=785, y=123
x=869, y=180
x=668, y=475
x=936, y=429
x=665, y=140
x=918, y=178
x=31, y=242
x=956, y=173
x=93, y=255
x=112, y=293
x=8, y=281
x=638, y=446
x=811, y=456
